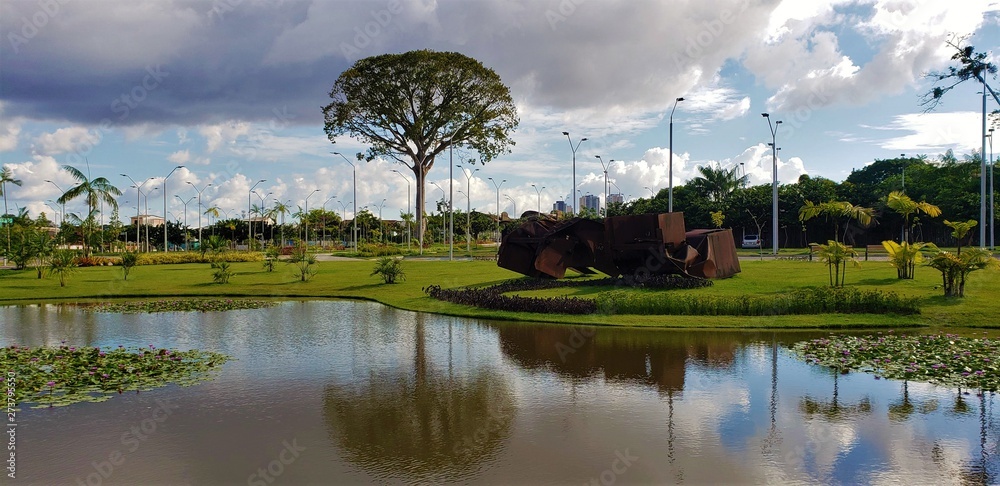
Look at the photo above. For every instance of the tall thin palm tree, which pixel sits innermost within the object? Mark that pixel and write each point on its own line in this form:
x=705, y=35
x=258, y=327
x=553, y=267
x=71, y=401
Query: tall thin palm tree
x=836, y=210
x=93, y=190
x=282, y=209
x=7, y=175
x=902, y=204
x=213, y=212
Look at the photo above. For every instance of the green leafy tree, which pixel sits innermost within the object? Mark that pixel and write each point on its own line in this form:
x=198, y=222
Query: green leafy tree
x=411, y=107
x=960, y=229
x=222, y=272
x=955, y=269
x=129, y=260
x=717, y=183
x=7, y=176
x=718, y=219
x=62, y=263
x=271, y=257
x=836, y=210
x=971, y=65
x=93, y=191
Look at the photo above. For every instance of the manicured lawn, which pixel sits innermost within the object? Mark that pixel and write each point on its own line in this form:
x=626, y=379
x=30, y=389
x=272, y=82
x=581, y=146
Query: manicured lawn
x=350, y=279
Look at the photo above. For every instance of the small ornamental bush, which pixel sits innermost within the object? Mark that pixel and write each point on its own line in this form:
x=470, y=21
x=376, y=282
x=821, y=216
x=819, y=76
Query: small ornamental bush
x=378, y=250
x=198, y=257
x=221, y=273
x=129, y=259
x=390, y=269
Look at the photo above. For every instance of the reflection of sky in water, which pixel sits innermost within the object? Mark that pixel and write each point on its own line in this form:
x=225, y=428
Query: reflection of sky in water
x=695, y=407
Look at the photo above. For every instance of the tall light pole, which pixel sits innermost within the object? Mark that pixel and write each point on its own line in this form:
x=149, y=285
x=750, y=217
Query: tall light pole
x=165, y=245
x=538, y=195
x=323, y=243
x=451, y=202
x=572, y=191
x=774, y=182
x=670, y=169
x=408, y=232
x=201, y=243
x=993, y=214
x=497, y=186
x=145, y=202
x=343, y=207
x=355, y=202
x=605, y=168
x=185, y=203
x=381, y=226
x=305, y=217
x=262, y=216
x=651, y=195
x=249, y=213
x=138, y=191
x=435, y=184
x=468, y=207
x=61, y=192
x=512, y=202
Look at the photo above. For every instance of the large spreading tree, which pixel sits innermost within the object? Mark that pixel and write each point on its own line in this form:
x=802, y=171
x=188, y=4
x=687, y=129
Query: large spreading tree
x=411, y=107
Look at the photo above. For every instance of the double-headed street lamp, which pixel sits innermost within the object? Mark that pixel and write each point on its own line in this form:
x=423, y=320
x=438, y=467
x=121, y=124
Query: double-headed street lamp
x=262, y=198
x=774, y=181
x=165, y=245
x=605, y=168
x=138, y=191
x=355, y=202
x=435, y=184
x=61, y=192
x=993, y=214
x=651, y=195
x=185, y=203
x=670, y=169
x=573, y=191
x=199, y=191
x=538, y=194
x=408, y=232
x=497, y=186
x=513, y=203
x=306, y=217
x=468, y=206
x=331, y=198
x=249, y=214
x=381, y=226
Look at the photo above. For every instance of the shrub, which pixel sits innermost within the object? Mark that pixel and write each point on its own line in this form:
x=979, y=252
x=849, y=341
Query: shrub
x=955, y=269
x=93, y=261
x=222, y=273
x=303, y=262
x=803, y=301
x=490, y=298
x=378, y=250
x=270, y=258
x=197, y=257
x=129, y=259
x=389, y=269
x=62, y=263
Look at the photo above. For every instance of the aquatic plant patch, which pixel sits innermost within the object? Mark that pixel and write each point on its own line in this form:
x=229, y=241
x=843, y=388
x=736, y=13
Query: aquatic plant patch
x=179, y=305
x=57, y=376
x=490, y=298
x=942, y=359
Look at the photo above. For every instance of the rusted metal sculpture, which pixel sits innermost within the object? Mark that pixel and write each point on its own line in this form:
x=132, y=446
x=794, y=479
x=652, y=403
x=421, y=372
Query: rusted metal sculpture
x=640, y=245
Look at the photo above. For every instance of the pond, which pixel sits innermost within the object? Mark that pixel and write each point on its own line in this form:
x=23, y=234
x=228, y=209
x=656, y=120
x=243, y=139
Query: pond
x=356, y=392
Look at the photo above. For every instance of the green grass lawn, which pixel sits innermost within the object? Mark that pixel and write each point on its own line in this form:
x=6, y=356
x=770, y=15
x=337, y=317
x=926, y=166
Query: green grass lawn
x=351, y=279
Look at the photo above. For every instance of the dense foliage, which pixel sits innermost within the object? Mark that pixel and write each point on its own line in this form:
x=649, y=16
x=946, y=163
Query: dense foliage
x=943, y=359
x=62, y=375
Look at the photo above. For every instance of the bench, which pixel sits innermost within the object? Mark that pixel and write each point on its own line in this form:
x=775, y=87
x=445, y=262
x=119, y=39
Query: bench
x=875, y=250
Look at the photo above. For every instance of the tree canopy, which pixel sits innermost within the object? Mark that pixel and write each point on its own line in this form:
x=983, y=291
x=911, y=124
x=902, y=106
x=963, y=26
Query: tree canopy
x=413, y=106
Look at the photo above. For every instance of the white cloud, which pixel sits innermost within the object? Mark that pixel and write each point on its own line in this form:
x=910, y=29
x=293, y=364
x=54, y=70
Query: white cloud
x=180, y=157
x=223, y=133
x=64, y=140
x=935, y=132
x=10, y=129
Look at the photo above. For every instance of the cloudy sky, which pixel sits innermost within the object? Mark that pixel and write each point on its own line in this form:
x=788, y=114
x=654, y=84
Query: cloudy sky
x=232, y=90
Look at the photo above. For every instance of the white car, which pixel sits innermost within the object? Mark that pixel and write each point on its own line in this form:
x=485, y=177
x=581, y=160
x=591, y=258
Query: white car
x=751, y=241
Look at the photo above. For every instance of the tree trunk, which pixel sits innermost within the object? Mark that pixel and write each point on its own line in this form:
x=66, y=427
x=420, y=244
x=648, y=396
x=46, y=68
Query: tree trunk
x=418, y=173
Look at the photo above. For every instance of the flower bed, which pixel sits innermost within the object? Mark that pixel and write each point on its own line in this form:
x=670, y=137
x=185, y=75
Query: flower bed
x=50, y=376
x=943, y=359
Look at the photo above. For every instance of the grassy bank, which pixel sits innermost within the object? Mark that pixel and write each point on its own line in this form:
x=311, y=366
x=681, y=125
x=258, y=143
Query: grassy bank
x=350, y=279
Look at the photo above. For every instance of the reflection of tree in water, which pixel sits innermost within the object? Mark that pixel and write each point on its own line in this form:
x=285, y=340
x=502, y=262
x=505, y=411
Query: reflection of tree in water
x=423, y=425
x=901, y=410
x=834, y=410
x=986, y=468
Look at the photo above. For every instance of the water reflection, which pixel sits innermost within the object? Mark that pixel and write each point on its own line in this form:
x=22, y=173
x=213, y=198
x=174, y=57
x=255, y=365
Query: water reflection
x=421, y=422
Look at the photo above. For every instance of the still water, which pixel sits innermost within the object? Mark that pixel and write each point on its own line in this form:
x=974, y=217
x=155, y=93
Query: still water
x=355, y=392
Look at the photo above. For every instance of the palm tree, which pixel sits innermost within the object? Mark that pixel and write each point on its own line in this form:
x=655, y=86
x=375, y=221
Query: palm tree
x=902, y=204
x=837, y=210
x=717, y=183
x=213, y=212
x=93, y=190
x=282, y=209
x=960, y=229
x=62, y=263
x=7, y=175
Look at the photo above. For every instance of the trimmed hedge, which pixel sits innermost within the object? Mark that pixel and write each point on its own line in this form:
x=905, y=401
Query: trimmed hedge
x=198, y=257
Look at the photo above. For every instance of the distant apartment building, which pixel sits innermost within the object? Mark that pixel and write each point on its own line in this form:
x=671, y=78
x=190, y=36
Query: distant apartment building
x=147, y=219
x=591, y=201
x=561, y=207
x=615, y=199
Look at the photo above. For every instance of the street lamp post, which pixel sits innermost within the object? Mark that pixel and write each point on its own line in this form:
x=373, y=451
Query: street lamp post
x=468, y=207
x=200, y=242
x=138, y=191
x=306, y=217
x=651, y=195
x=774, y=182
x=605, y=168
x=497, y=186
x=145, y=202
x=165, y=244
x=538, y=195
x=58, y=214
x=185, y=203
x=355, y=202
x=670, y=169
x=343, y=207
x=249, y=214
x=323, y=243
x=573, y=191
x=63, y=214
x=512, y=202
x=451, y=201
x=435, y=184
x=993, y=214
x=262, y=216
x=381, y=226
x=408, y=232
